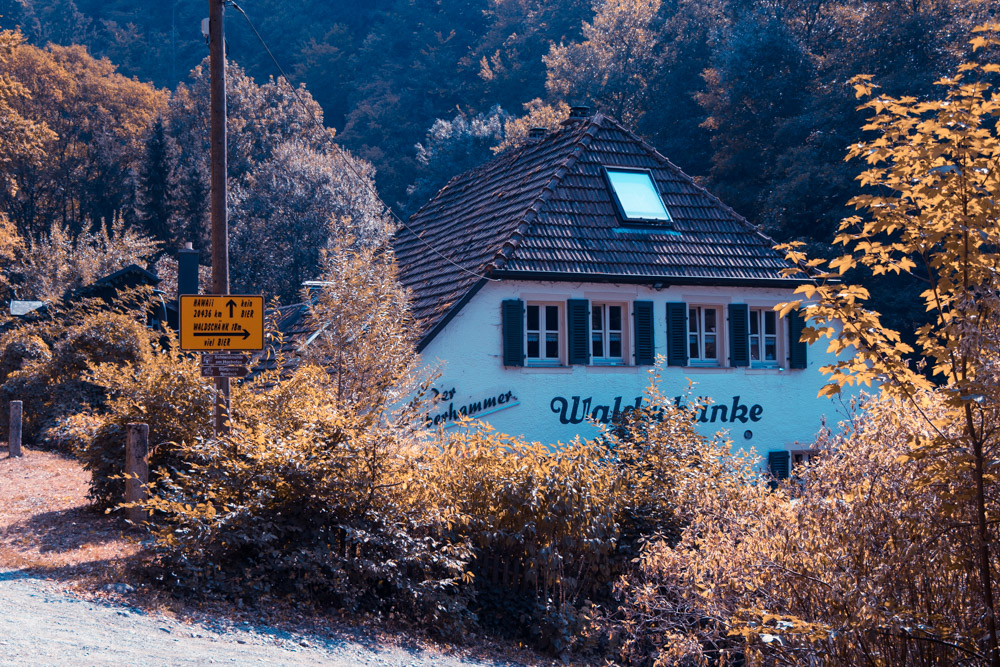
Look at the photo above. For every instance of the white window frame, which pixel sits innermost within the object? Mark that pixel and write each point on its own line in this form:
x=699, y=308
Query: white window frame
x=606, y=331
x=560, y=332
x=758, y=316
x=700, y=333
x=624, y=206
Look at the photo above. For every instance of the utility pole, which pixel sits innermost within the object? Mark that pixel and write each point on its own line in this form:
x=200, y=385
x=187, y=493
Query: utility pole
x=220, y=227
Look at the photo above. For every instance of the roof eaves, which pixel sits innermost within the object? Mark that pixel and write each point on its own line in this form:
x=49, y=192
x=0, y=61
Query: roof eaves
x=449, y=314
x=660, y=280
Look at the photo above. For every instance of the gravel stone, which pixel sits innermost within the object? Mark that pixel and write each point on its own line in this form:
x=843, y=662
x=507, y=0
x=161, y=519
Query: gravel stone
x=43, y=625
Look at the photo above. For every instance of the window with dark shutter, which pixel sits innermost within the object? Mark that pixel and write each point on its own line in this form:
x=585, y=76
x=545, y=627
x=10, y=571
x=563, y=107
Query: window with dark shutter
x=677, y=347
x=642, y=314
x=578, y=319
x=512, y=316
x=797, y=350
x=777, y=464
x=739, y=345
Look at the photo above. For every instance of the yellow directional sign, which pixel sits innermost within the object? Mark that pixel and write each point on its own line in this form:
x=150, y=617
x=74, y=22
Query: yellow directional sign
x=219, y=322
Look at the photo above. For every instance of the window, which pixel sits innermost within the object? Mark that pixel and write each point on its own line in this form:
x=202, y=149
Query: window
x=607, y=333
x=703, y=336
x=763, y=337
x=802, y=458
x=543, y=348
x=636, y=195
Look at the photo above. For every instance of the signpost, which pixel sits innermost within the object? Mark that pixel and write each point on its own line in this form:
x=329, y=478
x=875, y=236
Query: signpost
x=221, y=322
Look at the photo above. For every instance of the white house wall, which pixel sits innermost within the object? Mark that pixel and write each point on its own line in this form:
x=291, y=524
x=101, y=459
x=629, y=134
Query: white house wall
x=766, y=409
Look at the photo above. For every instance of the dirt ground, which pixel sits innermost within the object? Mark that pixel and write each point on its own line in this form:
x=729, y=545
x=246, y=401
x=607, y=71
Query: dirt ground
x=68, y=595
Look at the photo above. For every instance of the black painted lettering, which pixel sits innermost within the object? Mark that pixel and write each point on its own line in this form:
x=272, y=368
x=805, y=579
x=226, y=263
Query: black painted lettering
x=715, y=413
x=739, y=411
x=600, y=414
x=556, y=408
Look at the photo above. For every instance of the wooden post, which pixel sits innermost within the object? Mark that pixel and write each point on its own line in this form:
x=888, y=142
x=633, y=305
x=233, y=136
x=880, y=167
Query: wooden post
x=136, y=469
x=14, y=439
x=217, y=180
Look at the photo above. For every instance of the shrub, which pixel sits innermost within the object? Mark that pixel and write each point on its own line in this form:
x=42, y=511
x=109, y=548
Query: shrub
x=24, y=358
x=850, y=558
x=166, y=391
x=20, y=348
x=322, y=503
x=45, y=364
x=554, y=528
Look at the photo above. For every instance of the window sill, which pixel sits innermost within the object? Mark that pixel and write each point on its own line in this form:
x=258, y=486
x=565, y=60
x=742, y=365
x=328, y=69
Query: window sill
x=708, y=369
x=554, y=370
x=765, y=370
x=612, y=369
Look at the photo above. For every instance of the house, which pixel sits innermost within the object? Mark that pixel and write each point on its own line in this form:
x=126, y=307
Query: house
x=549, y=280
x=106, y=289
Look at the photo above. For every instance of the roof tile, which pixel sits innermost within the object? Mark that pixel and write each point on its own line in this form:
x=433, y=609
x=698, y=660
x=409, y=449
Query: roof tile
x=544, y=208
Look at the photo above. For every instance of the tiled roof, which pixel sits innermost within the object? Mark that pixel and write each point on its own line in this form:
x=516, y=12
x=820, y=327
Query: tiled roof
x=544, y=211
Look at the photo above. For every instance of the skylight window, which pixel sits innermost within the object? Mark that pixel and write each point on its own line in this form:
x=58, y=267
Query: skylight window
x=636, y=195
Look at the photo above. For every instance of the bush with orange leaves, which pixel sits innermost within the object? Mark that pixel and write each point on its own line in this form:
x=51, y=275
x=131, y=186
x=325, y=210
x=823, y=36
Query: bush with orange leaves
x=849, y=561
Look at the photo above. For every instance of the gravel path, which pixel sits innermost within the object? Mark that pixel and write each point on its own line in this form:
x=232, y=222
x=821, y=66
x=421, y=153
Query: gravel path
x=41, y=625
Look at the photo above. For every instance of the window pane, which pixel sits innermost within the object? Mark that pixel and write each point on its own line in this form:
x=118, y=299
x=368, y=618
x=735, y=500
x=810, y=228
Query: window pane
x=755, y=348
x=615, y=318
x=710, y=320
x=552, y=318
x=693, y=347
x=533, y=318
x=595, y=318
x=770, y=349
x=693, y=320
x=754, y=322
x=533, y=345
x=770, y=326
x=597, y=345
x=551, y=345
x=638, y=195
x=615, y=345
x=710, y=350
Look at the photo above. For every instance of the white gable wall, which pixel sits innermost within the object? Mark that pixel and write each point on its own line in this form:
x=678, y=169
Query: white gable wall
x=764, y=409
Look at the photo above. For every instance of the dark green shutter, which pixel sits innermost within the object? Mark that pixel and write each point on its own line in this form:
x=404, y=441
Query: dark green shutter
x=777, y=464
x=797, y=350
x=512, y=316
x=642, y=315
x=739, y=334
x=677, y=348
x=578, y=326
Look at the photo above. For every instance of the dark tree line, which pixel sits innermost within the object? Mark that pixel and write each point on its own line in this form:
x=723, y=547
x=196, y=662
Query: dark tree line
x=750, y=96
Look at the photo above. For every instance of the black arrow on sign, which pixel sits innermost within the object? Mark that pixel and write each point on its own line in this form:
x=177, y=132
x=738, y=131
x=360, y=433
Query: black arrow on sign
x=223, y=334
x=230, y=304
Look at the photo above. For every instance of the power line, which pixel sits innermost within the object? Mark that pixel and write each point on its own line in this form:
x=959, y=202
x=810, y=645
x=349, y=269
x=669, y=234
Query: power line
x=347, y=161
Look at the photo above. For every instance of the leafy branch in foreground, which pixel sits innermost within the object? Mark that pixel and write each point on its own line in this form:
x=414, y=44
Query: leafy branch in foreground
x=930, y=212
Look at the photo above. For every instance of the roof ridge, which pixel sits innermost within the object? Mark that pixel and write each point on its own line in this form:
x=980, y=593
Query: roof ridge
x=503, y=254
x=652, y=149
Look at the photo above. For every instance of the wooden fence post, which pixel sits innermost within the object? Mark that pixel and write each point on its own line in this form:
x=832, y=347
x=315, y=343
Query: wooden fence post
x=14, y=438
x=136, y=470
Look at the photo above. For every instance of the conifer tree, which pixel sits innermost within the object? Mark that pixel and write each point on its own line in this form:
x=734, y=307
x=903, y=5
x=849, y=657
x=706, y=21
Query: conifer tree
x=153, y=186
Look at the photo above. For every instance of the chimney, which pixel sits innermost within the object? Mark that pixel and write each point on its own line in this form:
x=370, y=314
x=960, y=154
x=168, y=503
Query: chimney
x=187, y=270
x=537, y=133
x=577, y=115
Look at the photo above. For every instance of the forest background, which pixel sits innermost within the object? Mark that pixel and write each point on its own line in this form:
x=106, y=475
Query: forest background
x=324, y=492
x=751, y=98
